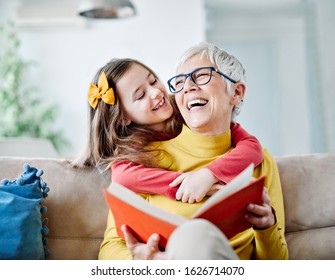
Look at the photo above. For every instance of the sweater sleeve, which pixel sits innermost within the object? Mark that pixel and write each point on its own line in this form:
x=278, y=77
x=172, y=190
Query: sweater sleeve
x=270, y=244
x=113, y=247
x=247, y=150
x=145, y=180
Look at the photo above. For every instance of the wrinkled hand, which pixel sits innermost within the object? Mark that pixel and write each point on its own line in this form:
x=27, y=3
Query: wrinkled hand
x=142, y=251
x=194, y=185
x=261, y=216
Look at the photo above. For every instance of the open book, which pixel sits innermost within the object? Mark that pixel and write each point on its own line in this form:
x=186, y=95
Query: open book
x=226, y=209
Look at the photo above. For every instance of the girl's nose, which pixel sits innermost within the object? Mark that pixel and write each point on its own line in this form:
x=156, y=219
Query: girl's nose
x=156, y=93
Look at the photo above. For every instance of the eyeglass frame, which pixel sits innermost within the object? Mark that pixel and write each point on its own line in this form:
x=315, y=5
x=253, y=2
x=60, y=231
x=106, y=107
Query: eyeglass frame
x=191, y=77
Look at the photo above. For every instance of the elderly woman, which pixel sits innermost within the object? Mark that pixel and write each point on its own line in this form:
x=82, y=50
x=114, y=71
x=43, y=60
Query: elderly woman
x=209, y=87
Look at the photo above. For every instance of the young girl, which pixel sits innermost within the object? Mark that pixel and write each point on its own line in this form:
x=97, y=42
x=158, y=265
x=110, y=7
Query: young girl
x=129, y=108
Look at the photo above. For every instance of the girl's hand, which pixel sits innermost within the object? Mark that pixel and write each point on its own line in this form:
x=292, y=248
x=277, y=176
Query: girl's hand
x=142, y=251
x=214, y=189
x=194, y=185
x=261, y=216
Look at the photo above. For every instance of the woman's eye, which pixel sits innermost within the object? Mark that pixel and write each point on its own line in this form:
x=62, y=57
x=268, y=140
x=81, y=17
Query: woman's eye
x=199, y=75
x=179, y=81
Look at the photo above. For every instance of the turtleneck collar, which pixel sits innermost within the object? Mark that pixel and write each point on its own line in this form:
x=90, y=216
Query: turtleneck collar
x=204, y=145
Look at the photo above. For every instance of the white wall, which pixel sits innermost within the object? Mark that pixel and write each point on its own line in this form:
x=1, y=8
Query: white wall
x=325, y=10
x=69, y=53
x=271, y=41
x=290, y=96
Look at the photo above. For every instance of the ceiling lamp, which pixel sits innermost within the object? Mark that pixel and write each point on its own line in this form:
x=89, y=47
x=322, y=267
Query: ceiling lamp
x=107, y=9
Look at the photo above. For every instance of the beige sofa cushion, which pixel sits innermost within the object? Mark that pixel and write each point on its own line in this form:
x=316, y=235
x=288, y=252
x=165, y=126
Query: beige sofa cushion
x=309, y=196
x=77, y=210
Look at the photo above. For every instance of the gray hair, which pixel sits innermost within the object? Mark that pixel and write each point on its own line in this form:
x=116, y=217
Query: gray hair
x=220, y=59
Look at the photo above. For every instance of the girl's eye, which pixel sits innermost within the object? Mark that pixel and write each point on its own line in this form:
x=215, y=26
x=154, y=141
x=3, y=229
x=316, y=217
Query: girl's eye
x=154, y=81
x=140, y=96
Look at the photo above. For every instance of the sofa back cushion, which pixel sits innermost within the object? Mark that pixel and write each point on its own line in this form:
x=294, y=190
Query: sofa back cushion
x=308, y=183
x=77, y=210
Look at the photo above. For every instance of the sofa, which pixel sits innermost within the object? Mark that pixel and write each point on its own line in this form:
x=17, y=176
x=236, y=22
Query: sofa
x=77, y=210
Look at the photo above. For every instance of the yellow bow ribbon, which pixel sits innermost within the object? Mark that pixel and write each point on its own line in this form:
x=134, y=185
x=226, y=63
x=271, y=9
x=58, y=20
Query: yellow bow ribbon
x=102, y=91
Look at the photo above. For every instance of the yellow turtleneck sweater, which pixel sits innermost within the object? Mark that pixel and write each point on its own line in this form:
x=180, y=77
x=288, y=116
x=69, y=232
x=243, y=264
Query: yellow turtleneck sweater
x=191, y=151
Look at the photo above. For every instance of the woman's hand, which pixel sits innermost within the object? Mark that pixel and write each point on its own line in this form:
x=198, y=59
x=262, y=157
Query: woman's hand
x=142, y=251
x=194, y=185
x=261, y=216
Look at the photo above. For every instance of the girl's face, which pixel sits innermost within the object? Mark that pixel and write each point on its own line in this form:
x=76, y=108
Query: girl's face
x=144, y=98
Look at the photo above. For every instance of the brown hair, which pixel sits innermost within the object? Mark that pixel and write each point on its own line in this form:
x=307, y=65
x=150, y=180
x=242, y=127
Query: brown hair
x=110, y=139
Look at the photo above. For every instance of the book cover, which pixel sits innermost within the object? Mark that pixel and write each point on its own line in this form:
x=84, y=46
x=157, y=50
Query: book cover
x=226, y=209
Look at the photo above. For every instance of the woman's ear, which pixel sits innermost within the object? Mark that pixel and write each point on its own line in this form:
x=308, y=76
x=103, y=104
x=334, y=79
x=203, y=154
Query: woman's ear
x=237, y=94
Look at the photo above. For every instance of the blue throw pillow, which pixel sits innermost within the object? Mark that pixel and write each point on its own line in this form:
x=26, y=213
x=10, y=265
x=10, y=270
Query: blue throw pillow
x=22, y=228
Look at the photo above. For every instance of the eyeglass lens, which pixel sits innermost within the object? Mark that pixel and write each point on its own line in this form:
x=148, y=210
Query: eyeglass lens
x=199, y=77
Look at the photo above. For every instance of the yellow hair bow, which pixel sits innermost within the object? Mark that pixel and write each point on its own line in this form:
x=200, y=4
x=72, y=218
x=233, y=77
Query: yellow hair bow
x=102, y=91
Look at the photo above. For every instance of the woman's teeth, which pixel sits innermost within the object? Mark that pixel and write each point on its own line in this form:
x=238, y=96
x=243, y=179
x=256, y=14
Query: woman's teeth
x=196, y=102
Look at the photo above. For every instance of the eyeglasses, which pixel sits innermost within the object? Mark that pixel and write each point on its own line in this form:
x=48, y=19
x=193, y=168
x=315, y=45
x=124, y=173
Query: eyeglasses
x=199, y=76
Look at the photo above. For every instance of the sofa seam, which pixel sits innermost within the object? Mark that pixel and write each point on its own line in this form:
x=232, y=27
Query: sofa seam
x=311, y=229
x=75, y=238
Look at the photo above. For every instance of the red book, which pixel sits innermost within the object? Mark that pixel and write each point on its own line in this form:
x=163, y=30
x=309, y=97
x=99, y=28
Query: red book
x=226, y=209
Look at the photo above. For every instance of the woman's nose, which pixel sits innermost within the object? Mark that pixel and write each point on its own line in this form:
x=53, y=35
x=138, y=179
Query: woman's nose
x=189, y=85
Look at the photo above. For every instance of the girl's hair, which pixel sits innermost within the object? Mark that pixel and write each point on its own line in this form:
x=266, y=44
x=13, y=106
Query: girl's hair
x=222, y=60
x=110, y=139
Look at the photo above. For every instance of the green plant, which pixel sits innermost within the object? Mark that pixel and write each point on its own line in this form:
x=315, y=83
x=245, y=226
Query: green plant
x=22, y=111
